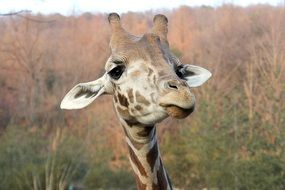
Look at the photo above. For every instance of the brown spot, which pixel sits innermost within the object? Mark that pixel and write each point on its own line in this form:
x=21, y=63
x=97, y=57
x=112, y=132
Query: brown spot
x=131, y=95
x=145, y=132
x=136, y=161
x=138, y=107
x=152, y=155
x=123, y=100
x=154, y=79
x=117, y=87
x=140, y=185
x=141, y=99
x=123, y=112
x=162, y=181
x=150, y=71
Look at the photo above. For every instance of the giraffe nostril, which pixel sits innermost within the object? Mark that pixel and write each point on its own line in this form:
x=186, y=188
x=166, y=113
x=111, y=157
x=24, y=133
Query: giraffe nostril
x=172, y=85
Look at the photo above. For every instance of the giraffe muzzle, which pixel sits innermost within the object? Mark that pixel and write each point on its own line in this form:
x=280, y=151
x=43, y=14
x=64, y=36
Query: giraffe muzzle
x=178, y=112
x=178, y=101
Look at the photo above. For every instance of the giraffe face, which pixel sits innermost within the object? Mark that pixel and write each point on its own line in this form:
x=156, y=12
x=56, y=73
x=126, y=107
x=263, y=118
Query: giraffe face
x=147, y=81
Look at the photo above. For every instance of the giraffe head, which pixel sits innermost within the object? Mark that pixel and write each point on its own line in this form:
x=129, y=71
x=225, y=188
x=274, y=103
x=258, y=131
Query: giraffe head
x=147, y=81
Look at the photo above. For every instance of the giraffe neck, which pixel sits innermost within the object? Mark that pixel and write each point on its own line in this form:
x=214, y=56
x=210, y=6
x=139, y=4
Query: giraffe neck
x=145, y=157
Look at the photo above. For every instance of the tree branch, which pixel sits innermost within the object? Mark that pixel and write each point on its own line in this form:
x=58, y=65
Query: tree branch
x=15, y=13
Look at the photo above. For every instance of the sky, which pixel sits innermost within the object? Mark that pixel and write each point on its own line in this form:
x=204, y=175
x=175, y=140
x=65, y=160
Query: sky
x=67, y=7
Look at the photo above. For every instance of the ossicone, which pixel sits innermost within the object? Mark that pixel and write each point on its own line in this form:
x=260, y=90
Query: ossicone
x=160, y=27
x=114, y=17
x=160, y=19
x=119, y=37
x=114, y=20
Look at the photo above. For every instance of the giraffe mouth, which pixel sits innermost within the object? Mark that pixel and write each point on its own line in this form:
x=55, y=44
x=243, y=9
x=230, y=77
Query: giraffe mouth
x=176, y=111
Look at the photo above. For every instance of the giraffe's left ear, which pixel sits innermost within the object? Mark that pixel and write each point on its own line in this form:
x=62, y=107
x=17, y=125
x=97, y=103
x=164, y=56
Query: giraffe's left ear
x=195, y=76
x=84, y=94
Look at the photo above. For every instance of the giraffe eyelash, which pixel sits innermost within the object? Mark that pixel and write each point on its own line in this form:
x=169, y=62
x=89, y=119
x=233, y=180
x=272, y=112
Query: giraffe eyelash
x=118, y=62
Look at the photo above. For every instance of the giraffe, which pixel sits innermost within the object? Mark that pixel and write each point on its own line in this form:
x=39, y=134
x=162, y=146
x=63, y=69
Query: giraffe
x=148, y=83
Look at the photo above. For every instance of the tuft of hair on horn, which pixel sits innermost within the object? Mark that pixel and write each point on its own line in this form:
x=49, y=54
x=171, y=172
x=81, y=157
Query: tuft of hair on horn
x=161, y=19
x=113, y=17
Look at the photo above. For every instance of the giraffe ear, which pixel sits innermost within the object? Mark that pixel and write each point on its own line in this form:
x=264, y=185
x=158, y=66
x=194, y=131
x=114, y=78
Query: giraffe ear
x=195, y=76
x=83, y=94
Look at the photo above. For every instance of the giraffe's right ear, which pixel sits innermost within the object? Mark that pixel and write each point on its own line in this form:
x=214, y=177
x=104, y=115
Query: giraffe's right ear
x=194, y=75
x=84, y=94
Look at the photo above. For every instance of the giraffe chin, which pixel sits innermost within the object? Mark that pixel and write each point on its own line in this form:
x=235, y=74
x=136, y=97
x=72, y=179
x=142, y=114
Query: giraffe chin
x=178, y=112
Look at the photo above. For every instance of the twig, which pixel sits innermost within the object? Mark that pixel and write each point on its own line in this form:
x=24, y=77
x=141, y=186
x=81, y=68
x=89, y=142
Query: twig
x=19, y=14
x=15, y=13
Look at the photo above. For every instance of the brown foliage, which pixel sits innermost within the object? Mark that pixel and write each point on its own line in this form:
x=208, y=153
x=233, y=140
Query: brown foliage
x=40, y=61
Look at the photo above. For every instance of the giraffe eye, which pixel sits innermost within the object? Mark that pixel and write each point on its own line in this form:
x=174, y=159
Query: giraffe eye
x=117, y=72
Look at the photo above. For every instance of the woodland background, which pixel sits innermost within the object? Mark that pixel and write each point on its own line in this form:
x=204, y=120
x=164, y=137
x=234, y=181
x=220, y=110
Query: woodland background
x=234, y=140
